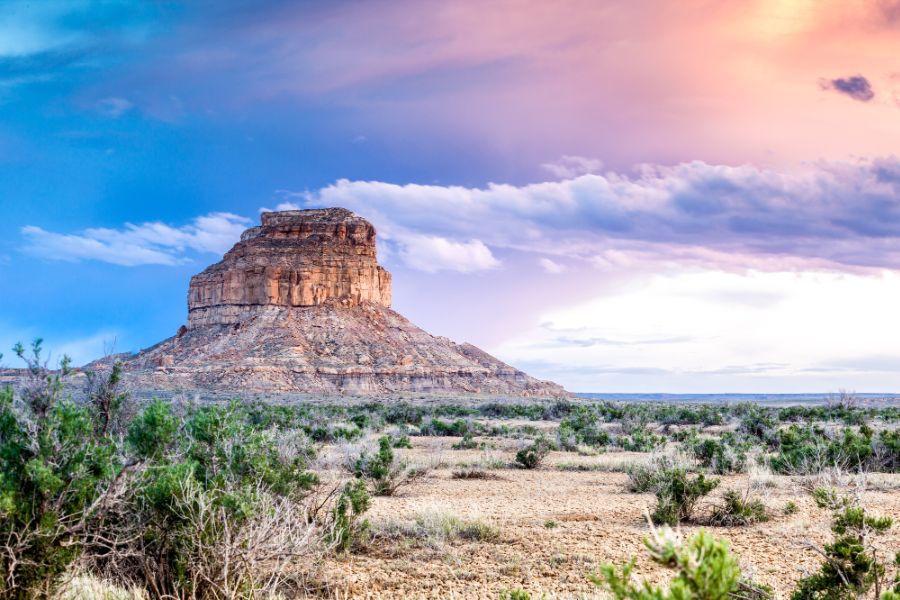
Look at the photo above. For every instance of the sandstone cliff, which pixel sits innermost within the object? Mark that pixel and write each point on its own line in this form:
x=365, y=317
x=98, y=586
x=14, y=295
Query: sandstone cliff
x=300, y=305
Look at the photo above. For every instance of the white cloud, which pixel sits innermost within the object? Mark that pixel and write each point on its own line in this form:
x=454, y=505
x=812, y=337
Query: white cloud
x=282, y=206
x=431, y=254
x=569, y=167
x=704, y=330
x=846, y=215
x=151, y=243
x=551, y=266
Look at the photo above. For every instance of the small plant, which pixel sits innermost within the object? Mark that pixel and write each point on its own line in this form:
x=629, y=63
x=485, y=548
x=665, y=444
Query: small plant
x=385, y=474
x=347, y=524
x=791, y=508
x=582, y=428
x=550, y=524
x=643, y=478
x=403, y=442
x=466, y=443
x=721, y=456
x=532, y=456
x=641, y=440
x=472, y=473
x=740, y=509
x=677, y=494
x=516, y=594
x=852, y=565
x=704, y=569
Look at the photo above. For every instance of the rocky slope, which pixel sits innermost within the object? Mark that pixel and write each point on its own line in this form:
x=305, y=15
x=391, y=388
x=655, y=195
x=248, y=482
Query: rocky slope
x=300, y=305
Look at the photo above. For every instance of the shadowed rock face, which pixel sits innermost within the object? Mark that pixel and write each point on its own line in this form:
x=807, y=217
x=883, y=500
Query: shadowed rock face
x=295, y=258
x=300, y=305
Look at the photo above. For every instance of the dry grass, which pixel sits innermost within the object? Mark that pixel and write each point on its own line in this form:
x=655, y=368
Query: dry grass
x=81, y=587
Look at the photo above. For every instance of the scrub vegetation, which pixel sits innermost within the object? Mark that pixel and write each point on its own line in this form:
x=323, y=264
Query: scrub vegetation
x=103, y=496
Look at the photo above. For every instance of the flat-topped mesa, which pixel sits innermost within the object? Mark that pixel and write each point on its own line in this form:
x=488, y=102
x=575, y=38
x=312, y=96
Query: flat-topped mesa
x=294, y=258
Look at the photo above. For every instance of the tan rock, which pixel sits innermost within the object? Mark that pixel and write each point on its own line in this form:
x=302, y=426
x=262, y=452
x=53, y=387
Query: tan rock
x=300, y=305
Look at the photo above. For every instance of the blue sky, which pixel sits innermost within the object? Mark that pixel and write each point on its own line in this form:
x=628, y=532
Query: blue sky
x=576, y=188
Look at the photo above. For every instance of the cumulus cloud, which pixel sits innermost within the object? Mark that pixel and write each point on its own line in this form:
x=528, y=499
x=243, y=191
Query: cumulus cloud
x=829, y=214
x=857, y=87
x=151, y=243
x=432, y=253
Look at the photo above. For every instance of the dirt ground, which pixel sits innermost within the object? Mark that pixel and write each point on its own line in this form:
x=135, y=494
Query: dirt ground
x=556, y=526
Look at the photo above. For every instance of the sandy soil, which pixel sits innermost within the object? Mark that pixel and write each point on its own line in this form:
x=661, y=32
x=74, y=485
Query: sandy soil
x=594, y=520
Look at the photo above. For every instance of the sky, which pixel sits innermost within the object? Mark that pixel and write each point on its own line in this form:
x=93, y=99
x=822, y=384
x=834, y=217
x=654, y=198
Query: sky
x=621, y=196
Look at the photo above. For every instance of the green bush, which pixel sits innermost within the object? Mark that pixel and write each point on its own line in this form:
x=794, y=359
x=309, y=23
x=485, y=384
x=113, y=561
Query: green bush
x=58, y=461
x=403, y=442
x=704, y=570
x=851, y=566
x=532, y=456
x=723, y=455
x=201, y=490
x=677, y=494
x=643, y=478
x=385, y=474
x=582, y=428
x=641, y=440
x=466, y=443
x=739, y=509
x=347, y=524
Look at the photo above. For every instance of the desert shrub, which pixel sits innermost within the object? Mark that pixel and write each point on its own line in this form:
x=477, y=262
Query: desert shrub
x=441, y=428
x=404, y=414
x=702, y=414
x=466, y=443
x=886, y=450
x=382, y=470
x=722, y=456
x=808, y=450
x=758, y=422
x=739, y=509
x=215, y=512
x=347, y=526
x=645, y=477
x=334, y=432
x=688, y=435
x=533, y=455
x=472, y=473
x=641, y=440
x=791, y=508
x=58, y=463
x=403, y=442
x=582, y=427
x=851, y=567
x=677, y=494
x=704, y=569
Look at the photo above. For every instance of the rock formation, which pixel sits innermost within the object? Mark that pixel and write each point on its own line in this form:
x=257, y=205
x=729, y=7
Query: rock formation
x=295, y=258
x=300, y=305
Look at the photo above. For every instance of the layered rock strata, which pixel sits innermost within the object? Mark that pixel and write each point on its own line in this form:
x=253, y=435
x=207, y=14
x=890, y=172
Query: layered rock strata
x=300, y=305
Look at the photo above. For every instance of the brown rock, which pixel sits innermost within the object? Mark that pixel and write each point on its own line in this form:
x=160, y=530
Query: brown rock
x=300, y=305
x=295, y=258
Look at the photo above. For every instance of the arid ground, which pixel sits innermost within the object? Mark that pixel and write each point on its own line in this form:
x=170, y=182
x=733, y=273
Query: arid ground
x=552, y=526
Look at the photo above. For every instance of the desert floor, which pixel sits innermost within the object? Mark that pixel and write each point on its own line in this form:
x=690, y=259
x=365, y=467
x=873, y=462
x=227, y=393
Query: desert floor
x=556, y=524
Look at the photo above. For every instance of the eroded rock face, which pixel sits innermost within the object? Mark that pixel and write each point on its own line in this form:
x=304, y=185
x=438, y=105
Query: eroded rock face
x=300, y=305
x=295, y=258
